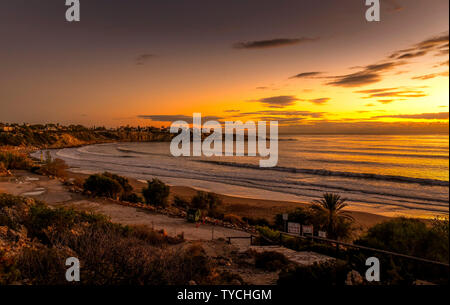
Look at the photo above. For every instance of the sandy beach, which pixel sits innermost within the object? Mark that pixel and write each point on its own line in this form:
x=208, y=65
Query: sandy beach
x=55, y=193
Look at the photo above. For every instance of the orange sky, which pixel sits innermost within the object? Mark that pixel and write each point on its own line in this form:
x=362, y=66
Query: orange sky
x=312, y=65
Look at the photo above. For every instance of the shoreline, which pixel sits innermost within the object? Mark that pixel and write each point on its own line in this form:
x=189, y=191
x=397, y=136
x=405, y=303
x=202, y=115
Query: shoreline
x=251, y=207
x=244, y=206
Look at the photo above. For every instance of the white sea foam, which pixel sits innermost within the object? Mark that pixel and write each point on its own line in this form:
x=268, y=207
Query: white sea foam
x=392, y=175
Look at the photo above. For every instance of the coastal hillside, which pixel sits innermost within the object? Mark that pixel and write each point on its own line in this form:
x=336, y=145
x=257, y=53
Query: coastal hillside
x=56, y=136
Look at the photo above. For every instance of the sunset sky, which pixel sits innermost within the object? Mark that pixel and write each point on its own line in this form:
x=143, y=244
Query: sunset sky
x=315, y=66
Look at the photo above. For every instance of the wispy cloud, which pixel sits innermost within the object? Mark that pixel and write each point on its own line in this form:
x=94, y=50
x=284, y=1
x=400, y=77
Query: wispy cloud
x=375, y=72
x=319, y=101
x=279, y=101
x=385, y=101
x=368, y=75
x=437, y=43
x=423, y=116
x=400, y=93
x=143, y=58
x=307, y=75
x=272, y=43
x=289, y=113
x=431, y=75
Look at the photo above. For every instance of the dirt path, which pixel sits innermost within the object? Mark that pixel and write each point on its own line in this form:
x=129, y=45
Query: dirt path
x=55, y=194
x=302, y=258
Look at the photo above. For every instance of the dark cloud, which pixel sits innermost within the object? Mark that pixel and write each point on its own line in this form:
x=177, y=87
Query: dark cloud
x=411, y=55
x=289, y=113
x=434, y=42
x=272, y=43
x=278, y=101
x=368, y=75
x=424, y=116
x=307, y=75
x=424, y=47
x=231, y=110
x=374, y=73
x=143, y=58
x=173, y=118
x=355, y=80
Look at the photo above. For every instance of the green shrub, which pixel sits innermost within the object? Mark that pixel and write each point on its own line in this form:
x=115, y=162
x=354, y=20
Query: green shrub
x=124, y=183
x=133, y=198
x=269, y=233
x=205, y=201
x=408, y=236
x=110, y=254
x=342, y=227
x=100, y=185
x=180, y=202
x=301, y=215
x=411, y=237
x=256, y=221
x=156, y=193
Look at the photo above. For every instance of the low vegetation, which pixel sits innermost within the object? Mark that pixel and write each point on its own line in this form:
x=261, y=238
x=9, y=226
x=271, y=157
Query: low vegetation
x=270, y=260
x=35, y=242
x=341, y=228
x=11, y=159
x=205, y=201
x=54, y=167
x=156, y=193
x=111, y=186
x=324, y=274
x=411, y=237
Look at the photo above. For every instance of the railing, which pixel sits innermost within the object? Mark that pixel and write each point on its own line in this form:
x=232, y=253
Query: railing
x=229, y=238
x=340, y=243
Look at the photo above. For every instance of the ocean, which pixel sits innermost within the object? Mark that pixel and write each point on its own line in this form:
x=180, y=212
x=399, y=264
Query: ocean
x=394, y=175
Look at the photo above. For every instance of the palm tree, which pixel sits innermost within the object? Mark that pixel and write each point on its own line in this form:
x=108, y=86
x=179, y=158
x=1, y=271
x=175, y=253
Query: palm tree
x=331, y=205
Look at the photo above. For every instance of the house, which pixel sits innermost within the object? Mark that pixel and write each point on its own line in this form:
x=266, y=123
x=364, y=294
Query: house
x=7, y=128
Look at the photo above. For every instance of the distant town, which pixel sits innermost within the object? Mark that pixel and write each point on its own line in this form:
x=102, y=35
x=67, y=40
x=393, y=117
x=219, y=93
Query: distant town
x=6, y=127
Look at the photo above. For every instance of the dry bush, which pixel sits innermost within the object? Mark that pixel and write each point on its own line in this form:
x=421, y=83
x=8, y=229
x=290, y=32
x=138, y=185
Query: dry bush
x=153, y=237
x=43, y=266
x=15, y=160
x=109, y=254
x=56, y=167
x=270, y=260
x=234, y=219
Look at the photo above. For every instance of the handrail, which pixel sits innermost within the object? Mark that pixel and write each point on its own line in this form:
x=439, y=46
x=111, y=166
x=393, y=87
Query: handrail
x=367, y=248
